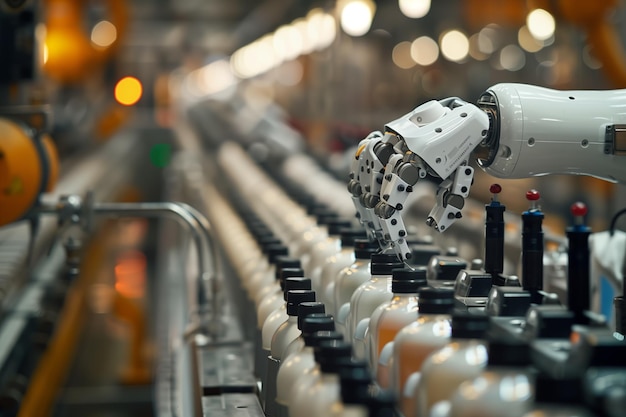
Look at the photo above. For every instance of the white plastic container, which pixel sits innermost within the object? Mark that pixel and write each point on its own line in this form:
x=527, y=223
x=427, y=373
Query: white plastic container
x=349, y=279
x=301, y=393
x=271, y=324
x=413, y=344
x=311, y=319
x=322, y=250
x=325, y=390
x=267, y=278
x=355, y=393
x=277, y=299
x=335, y=263
x=367, y=297
x=464, y=358
x=390, y=317
x=504, y=389
x=286, y=333
x=298, y=365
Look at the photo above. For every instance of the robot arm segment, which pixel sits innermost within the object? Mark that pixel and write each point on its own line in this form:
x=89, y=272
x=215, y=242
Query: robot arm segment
x=538, y=131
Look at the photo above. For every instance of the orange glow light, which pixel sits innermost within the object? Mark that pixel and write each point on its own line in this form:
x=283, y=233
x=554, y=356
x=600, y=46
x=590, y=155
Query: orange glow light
x=128, y=91
x=130, y=274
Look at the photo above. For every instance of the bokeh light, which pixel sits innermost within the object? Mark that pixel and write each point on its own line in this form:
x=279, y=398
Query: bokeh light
x=356, y=17
x=103, y=34
x=527, y=41
x=128, y=91
x=541, y=24
x=454, y=45
x=401, y=55
x=474, y=48
x=424, y=51
x=414, y=9
x=512, y=58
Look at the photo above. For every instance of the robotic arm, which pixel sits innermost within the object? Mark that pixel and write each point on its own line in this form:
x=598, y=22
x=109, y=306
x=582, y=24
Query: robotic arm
x=514, y=131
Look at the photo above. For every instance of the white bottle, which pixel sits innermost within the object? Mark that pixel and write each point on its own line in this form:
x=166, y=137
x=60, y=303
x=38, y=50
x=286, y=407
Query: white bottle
x=356, y=386
x=286, y=333
x=413, y=344
x=327, y=353
x=390, y=317
x=367, y=297
x=299, y=365
x=302, y=248
x=464, y=358
x=351, y=377
x=273, y=321
x=266, y=279
x=276, y=289
x=335, y=263
x=277, y=298
x=349, y=279
x=322, y=250
x=311, y=319
x=262, y=268
x=325, y=390
x=504, y=389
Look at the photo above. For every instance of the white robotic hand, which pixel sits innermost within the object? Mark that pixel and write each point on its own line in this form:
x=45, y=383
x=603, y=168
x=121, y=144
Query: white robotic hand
x=437, y=139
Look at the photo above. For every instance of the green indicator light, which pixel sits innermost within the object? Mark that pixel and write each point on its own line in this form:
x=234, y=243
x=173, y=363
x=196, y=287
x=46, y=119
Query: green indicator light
x=160, y=155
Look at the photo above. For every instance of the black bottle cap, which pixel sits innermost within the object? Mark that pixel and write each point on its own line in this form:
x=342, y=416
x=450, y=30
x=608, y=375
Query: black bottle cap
x=326, y=218
x=407, y=280
x=382, y=405
x=329, y=352
x=317, y=209
x=284, y=261
x=355, y=385
x=317, y=322
x=445, y=268
x=286, y=273
x=275, y=250
x=262, y=233
x=350, y=234
x=364, y=249
x=337, y=225
x=508, y=352
x=268, y=240
x=558, y=390
x=295, y=297
x=296, y=283
x=422, y=253
x=436, y=300
x=318, y=337
x=309, y=308
x=467, y=325
x=384, y=263
x=305, y=200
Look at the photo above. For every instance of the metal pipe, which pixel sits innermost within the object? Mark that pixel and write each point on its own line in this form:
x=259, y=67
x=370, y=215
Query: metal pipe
x=181, y=212
x=199, y=227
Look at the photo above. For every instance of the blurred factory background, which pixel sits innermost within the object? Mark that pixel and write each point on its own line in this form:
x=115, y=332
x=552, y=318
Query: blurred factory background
x=121, y=102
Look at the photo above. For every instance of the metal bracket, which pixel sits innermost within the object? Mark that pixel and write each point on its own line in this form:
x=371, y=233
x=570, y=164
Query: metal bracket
x=615, y=140
x=37, y=118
